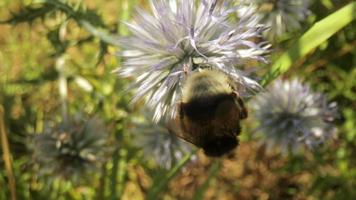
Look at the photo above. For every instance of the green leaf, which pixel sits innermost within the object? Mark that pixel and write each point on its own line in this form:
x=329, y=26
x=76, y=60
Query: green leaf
x=314, y=37
x=29, y=14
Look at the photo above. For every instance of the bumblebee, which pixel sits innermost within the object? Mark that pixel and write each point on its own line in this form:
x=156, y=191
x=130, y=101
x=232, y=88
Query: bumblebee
x=210, y=111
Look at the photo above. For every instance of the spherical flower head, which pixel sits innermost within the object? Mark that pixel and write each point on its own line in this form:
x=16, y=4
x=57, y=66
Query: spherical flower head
x=159, y=142
x=70, y=150
x=281, y=16
x=181, y=36
x=291, y=115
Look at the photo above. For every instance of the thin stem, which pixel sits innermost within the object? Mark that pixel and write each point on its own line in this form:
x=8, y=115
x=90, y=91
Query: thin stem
x=100, y=193
x=126, y=8
x=7, y=155
x=213, y=171
x=122, y=171
x=119, y=169
x=162, y=184
x=114, y=172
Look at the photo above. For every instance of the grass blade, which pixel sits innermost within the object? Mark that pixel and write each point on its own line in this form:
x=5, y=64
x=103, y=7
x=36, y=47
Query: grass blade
x=315, y=36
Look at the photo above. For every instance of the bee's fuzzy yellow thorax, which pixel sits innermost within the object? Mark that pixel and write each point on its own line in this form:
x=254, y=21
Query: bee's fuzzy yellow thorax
x=205, y=84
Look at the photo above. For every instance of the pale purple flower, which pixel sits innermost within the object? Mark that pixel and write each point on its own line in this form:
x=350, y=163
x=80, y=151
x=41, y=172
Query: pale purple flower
x=181, y=36
x=290, y=115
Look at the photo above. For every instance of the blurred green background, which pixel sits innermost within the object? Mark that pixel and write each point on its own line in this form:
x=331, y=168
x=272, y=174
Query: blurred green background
x=43, y=43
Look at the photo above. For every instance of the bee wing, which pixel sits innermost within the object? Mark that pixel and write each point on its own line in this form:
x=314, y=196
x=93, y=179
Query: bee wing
x=175, y=127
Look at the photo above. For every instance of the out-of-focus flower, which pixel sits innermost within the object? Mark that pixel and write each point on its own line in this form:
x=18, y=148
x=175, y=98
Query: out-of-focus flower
x=291, y=115
x=70, y=150
x=281, y=16
x=181, y=36
x=159, y=142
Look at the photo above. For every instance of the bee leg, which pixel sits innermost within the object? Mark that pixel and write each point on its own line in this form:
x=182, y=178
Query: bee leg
x=243, y=111
x=237, y=129
x=182, y=121
x=181, y=110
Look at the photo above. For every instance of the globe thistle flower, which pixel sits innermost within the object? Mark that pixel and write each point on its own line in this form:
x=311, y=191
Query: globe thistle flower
x=69, y=150
x=281, y=16
x=291, y=115
x=181, y=36
x=158, y=141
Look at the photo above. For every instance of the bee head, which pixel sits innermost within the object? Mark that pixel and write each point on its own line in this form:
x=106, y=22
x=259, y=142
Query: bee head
x=220, y=146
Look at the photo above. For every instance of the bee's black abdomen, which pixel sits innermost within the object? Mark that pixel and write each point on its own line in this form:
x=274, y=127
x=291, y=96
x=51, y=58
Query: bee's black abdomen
x=220, y=145
x=212, y=122
x=204, y=108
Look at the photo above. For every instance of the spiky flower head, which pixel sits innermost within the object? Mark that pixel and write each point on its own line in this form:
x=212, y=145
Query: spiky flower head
x=181, y=36
x=281, y=16
x=158, y=141
x=72, y=149
x=291, y=115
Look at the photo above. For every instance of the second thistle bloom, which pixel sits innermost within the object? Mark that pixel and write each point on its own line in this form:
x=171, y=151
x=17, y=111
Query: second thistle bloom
x=71, y=149
x=180, y=36
x=291, y=115
x=281, y=16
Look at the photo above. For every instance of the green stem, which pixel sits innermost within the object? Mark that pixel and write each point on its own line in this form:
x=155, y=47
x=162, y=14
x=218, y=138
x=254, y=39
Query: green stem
x=122, y=172
x=114, y=173
x=100, y=191
x=162, y=184
x=213, y=171
x=119, y=169
x=126, y=8
x=7, y=155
